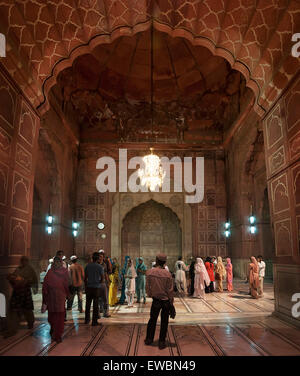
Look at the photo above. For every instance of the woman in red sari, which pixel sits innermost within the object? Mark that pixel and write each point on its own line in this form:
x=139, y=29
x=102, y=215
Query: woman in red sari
x=55, y=293
x=210, y=270
x=253, y=277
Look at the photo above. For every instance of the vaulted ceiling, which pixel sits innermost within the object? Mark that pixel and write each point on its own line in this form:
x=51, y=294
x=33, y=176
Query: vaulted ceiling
x=254, y=36
x=120, y=80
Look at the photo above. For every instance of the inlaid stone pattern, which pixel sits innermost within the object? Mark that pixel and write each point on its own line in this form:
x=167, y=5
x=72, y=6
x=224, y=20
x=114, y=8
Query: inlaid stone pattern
x=210, y=214
x=257, y=35
x=18, y=131
x=282, y=133
x=92, y=208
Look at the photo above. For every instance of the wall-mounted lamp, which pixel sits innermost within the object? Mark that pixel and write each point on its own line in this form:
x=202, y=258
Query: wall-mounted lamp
x=49, y=220
x=252, y=221
x=227, y=229
x=75, y=226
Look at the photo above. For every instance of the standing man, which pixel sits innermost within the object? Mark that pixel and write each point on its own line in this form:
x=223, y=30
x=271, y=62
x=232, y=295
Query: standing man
x=94, y=276
x=77, y=278
x=261, y=274
x=159, y=287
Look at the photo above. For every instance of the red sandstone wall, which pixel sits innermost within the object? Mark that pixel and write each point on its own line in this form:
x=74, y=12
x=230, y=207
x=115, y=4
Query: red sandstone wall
x=19, y=126
x=246, y=183
x=55, y=185
x=92, y=207
x=210, y=215
x=282, y=139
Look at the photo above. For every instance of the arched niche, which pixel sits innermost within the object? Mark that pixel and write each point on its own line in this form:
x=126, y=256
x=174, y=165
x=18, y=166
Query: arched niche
x=123, y=203
x=151, y=228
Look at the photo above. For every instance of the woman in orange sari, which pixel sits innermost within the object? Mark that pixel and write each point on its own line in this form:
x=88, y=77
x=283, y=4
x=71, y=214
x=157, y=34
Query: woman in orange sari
x=253, y=277
x=229, y=274
x=220, y=273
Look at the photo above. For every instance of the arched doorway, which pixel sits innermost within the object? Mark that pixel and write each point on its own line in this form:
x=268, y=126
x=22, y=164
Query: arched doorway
x=151, y=228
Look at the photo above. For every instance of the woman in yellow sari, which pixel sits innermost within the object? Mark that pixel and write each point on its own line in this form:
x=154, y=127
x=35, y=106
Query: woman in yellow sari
x=114, y=282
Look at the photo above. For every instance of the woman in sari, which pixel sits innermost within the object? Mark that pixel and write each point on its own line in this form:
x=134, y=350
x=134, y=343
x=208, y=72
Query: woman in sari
x=130, y=283
x=114, y=282
x=229, y=274
x=253, y=277
x=210, y=271
x=220, y=274
x=55, y=293
x=141, y=280
x=201, y=279
x=123, y=296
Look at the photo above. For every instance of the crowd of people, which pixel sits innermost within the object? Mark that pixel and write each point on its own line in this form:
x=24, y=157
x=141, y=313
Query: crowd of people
x=102, y=278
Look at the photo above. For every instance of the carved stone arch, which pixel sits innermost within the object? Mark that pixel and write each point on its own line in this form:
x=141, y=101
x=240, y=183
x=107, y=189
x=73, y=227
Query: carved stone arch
x=123, y=203
x=186, y=34
x=151, y=228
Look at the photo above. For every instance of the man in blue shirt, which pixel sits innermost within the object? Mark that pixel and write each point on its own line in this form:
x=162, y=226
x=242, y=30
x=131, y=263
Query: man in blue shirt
x=94, y=276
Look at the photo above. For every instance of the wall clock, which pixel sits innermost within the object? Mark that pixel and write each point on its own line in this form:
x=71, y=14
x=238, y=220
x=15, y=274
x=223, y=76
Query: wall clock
x=100, y=226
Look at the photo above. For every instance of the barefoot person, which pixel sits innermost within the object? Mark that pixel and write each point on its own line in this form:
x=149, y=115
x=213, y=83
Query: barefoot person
x=261, y=274
x=220, y=274
x=253, y=277
x=55, y=292
x=130, y=283
x=229, y=274
x=159, y=287
x=22, y=280
x=201, y=278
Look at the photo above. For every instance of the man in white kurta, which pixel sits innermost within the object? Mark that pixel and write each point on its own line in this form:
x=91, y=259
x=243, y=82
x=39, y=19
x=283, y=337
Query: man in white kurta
x=261, y=274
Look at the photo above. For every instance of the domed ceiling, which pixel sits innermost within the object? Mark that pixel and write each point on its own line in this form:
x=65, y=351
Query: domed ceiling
x=196, y=96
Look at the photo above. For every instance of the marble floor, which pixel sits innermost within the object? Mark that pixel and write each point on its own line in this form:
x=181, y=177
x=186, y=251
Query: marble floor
x=224, y=324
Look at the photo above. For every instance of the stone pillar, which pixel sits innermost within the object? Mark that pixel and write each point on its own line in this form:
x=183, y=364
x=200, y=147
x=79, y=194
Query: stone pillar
x=282, y=142
x=19, y=126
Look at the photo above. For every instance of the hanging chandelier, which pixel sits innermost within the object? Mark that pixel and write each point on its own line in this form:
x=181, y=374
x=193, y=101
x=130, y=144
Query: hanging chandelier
x=152, y=175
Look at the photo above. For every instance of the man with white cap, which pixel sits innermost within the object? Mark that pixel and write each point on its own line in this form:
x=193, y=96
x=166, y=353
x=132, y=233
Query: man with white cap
x=159, y=287
x=76, y=287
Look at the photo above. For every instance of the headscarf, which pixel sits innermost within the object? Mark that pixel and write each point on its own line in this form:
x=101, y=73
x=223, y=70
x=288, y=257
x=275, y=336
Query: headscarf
x=125, y=265
x=229, y=269
x=141, y=266
x=253, y=274
x=220, y=268
x=255, y=264
x=131, y=270
x=229, y=264
x=200, y=267
x=115, y=268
